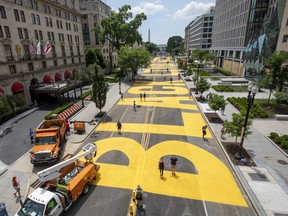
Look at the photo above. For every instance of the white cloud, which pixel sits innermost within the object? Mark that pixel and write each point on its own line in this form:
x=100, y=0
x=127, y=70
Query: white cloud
x=191, y=10
x=148, y=8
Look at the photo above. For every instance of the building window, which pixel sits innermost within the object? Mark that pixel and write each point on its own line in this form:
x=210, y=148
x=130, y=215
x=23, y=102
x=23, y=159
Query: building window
x=26, y=52
x=40, y=35
x=55, y=63
x=26, y=33
x=30, y=66
x=79, y=59
x=19, y=2
x=64, y=61
x=63, y=51
x=52, y=36
x=53, y=51
x=33, y=18
x=59, y=36
x=22, y=15
x=285, y=39
x=72, y=60
x=44, y=65
x=7, y=31
x=1, y=32
x=50, y=22
x=287, y=22
x=8, y=52
x=2, y=12
x=12, y=69
x=20, y=33
x=16, y=14
x=38, y=20
x=48, y=35
x=36, y=34
x=46, y=21
x=71, y=51
x=78, y=50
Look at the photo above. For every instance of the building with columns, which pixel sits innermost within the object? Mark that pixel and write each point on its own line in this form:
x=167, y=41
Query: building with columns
x=57, y=22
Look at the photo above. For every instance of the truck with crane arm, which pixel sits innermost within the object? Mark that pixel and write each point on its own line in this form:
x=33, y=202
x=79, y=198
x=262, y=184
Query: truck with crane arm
x=61, y=185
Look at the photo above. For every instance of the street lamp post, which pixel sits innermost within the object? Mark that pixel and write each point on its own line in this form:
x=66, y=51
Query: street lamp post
x=197, y=77
x=119, y=86
x=252, y=91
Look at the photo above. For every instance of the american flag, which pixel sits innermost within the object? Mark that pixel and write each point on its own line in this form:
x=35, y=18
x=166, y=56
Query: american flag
x=47, y=48
x=32, y=48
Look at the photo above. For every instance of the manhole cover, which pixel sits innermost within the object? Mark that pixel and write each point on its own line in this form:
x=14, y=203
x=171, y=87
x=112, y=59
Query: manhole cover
x=282, y=162
x=258, y=177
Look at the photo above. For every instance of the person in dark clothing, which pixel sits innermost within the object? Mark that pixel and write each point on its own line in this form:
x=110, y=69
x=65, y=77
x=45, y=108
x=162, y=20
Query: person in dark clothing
x=204, y=131
x=173, y=161
x=119, y=126
x=134, y=105
x=161, y=166
x=141, y=97
x=31, y=134
x=171, y=79
x=144, y=96
x=139, y=193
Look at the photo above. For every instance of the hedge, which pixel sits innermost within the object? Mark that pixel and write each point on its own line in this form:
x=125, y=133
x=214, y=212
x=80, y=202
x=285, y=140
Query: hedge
x=84, y=95
x=273, y=135
x=58, y=110
x=223, y=88
x=222, y=70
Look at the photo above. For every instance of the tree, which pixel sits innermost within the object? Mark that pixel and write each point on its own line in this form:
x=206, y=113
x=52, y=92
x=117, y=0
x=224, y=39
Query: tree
x=99, y=89
x=234, y=127
x=217, y=102
x=131, y=59
x=202, y=86
x=120, y=29
x=279, y=71
x=4, y=105
x=267, y=82
x=281, y=98
x=203, y=55
x=151, y=47
x=175, y=44
x=93, y=56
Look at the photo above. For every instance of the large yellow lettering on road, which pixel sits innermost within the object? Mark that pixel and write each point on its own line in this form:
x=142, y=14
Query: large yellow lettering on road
x=213, y=183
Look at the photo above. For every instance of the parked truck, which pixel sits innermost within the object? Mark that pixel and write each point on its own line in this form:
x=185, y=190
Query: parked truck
x=49, y=139
x=61, y=185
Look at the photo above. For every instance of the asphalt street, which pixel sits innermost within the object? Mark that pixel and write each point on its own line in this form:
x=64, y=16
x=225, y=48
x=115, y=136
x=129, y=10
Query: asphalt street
x=166, y=123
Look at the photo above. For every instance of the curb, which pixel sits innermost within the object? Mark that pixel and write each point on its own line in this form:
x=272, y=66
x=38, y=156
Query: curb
x=275, y=145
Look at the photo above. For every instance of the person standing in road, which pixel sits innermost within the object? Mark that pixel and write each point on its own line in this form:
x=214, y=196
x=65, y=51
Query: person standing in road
x=222, y=132
x=139, y=195
x=173, y=161
x=171, y=79
x=134, y=105
x=204, y=131
x=140, y=96
x=144, y=96
x=16, y=186
x=31, y=134
x=121, y=96
x=119, y=126
x=161, y=166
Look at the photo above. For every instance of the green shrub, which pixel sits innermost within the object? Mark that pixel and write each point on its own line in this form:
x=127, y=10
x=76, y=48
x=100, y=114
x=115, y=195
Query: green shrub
x=222, y=70
x=278, y=140
x=59, y=110
x=273, y=135
x=284, y=144
x=285, y=137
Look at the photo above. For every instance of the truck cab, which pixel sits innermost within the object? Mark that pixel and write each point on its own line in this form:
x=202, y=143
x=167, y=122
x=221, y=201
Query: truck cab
x=41, y=203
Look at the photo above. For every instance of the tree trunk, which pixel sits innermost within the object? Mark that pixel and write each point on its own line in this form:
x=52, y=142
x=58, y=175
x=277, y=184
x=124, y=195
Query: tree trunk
x=236, y=139
x=270, y=92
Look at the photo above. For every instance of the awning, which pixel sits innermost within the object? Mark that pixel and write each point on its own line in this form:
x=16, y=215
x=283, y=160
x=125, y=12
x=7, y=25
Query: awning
x=2, y=91
x=58, y=76
x=47, y=79
x=67, y=74
x=17, y=87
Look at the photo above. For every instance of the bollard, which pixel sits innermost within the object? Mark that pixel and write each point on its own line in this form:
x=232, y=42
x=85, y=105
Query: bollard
x=131, y=209
x=134, y=195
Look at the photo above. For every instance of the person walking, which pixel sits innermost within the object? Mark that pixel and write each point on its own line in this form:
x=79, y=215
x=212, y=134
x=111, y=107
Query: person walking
x=16, y=186
x=31, y=134
x=222, y=132
x=119, y=126
x=204, y=131
x=161, y=166
x=121, y=96
x=164, y=76
x=67, y=125
x=134, y=105
x=144, y=96
x=171, y=79
x=141, y=97
x=173, y=161
x=179, y=77
x=139, y=195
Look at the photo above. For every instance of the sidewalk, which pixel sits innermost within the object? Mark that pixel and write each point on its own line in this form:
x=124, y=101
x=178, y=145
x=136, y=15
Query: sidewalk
x=25, y=171
x=268, y=181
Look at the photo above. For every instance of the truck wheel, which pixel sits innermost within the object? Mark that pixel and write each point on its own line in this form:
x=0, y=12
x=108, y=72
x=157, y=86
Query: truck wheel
x=85, y=189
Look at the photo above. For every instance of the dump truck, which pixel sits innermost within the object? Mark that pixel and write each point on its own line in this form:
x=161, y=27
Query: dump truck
x=61, y=184
x=48, y=142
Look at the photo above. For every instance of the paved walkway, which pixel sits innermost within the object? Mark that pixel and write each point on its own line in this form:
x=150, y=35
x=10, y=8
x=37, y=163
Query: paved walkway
x=25, y=171
x=268, y=182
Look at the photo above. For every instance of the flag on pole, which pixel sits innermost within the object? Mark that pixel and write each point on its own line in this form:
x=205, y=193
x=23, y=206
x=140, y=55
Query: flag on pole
x=47, y=48
x=32, y=48
x=38, y=48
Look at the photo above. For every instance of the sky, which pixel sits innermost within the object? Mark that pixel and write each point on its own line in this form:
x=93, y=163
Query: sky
x=165, y=18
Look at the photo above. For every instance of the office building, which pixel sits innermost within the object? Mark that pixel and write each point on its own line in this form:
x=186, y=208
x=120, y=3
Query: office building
x=282, y=44
x=199, y=32
x=92, y=14
x=25, y=68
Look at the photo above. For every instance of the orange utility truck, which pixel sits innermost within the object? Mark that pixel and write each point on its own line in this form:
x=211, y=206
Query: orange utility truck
x=49, y=139
x=62, y=184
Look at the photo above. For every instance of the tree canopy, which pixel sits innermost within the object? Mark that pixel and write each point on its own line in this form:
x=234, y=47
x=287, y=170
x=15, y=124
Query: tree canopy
x=120, y=28
x=93, y=56
x=151, y=47
x=203, y=85
x=203, y=55
x=217, y=102
x=175, y=44
x=131, y=59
